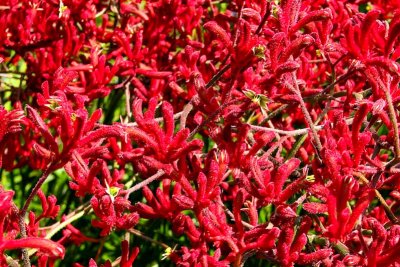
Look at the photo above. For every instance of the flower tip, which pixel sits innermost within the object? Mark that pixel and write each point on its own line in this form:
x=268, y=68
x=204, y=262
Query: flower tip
x=308, y=40
x=59, y=252
x=5, y=202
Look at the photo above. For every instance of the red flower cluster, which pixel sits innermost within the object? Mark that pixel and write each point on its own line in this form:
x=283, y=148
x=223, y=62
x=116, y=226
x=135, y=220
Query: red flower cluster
x=256, y=130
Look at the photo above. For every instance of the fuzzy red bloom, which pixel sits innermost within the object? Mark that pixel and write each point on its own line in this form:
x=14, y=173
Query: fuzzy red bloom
x=225, y=132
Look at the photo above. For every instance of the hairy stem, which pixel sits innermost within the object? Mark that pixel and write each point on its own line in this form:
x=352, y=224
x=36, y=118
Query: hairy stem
x=264, y=19
x=393, y=120
x=144, y=237
x=295, y=89
x=293, y=132
x=372, y=76
x=217, y=76
x=386, y=207
x=25, y=254
x=144, y=183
